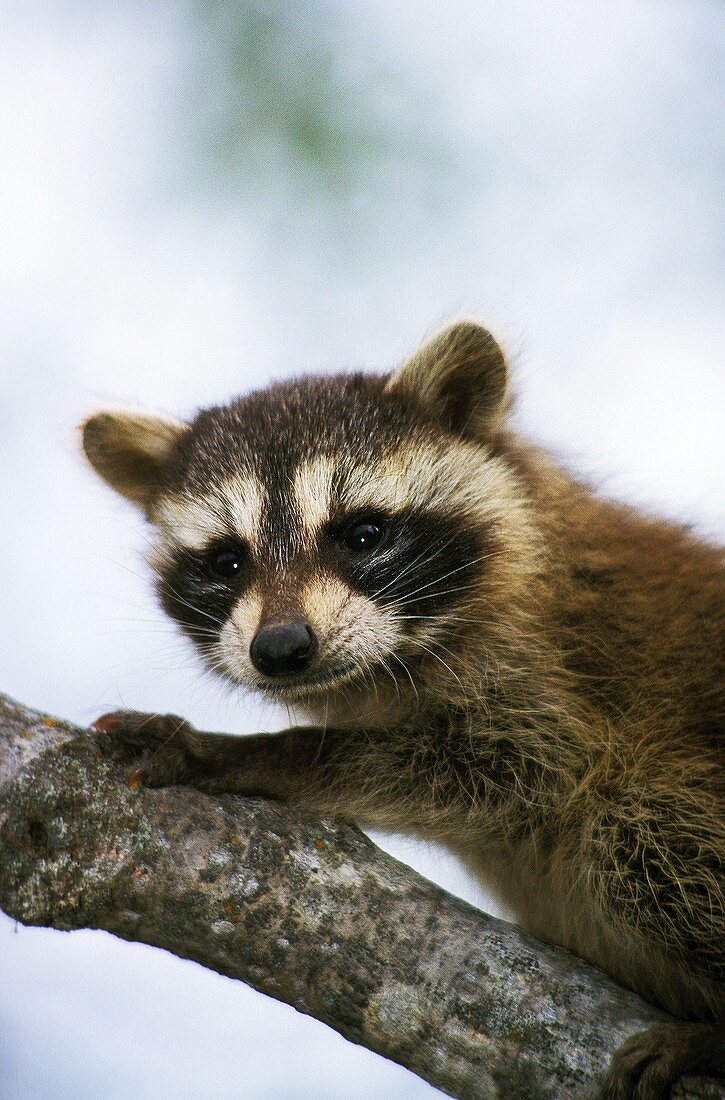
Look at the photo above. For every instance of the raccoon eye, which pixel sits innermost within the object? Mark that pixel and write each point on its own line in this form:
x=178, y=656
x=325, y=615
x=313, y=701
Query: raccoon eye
x=225, y=563
x=363, y=536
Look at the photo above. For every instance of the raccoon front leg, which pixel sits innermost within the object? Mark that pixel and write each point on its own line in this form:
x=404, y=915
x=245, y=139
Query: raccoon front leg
x=321, y=769
x=170, y=751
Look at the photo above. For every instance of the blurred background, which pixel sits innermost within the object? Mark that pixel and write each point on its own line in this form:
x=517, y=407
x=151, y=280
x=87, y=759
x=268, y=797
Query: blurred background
x=201, y=195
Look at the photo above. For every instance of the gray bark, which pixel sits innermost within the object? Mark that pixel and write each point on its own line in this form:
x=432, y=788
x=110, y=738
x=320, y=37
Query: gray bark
x=308, y=911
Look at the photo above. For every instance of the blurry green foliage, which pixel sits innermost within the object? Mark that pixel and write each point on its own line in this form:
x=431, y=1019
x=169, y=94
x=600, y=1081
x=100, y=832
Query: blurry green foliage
x=299, y=93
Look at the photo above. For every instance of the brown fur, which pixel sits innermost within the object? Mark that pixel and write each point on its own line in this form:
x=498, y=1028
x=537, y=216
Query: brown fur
x=558, y=724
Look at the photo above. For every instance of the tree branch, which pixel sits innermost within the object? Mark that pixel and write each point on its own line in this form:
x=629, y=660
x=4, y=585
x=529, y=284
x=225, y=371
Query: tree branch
x=308, y=911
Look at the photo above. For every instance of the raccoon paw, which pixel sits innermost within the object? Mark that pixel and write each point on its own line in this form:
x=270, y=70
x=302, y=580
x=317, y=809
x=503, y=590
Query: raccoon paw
x=166, y=744
x=647, y=1065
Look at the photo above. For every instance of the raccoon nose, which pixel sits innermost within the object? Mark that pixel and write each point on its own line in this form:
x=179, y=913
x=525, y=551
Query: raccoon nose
x=283, y=649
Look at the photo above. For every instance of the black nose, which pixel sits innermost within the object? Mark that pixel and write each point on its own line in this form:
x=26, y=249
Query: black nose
x=283, y=649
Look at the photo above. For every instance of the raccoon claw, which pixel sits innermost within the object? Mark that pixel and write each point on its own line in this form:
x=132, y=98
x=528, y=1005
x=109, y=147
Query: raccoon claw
x=107, y=723
x=647, y=1065
x=164, y=741
x=136, y=779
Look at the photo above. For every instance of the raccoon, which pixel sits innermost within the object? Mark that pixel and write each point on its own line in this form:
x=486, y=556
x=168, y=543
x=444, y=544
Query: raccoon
x=493, y=657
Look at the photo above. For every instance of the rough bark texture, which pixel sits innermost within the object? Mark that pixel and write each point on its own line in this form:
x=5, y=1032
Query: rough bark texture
x=308, y=911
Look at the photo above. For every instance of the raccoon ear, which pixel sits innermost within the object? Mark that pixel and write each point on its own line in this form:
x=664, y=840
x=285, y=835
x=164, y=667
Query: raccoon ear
x=130, y=449
x=461, y=376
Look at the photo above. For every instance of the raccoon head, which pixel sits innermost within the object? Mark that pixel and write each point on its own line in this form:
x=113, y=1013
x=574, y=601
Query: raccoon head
x=331, y=529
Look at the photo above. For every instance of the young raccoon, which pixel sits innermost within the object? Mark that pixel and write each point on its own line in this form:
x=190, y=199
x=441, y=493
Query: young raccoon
x=497, y=659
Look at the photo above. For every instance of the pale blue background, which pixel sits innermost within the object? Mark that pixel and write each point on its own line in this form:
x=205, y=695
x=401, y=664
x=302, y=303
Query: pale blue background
x=196, y=197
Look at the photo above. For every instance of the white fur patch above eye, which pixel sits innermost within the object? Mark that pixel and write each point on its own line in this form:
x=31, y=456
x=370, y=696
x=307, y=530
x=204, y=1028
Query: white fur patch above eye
x=244, y=499
x=188, y=523
x=312, y=491
x=192, y=523
x=460, y=478
x=420, y=476
x=396, y=483
x=379, y=487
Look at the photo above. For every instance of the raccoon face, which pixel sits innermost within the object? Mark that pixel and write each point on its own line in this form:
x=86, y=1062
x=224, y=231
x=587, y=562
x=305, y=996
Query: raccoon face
x=331, y=529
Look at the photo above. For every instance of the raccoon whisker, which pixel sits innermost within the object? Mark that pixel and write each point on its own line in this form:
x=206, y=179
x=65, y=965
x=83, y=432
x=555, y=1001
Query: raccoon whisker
x=412, y=564
x=374, y=678
x=414, y=597
x=215, y=667
x=438, y=658
x=384, y=664
x=128, y=602
x=160, y=660
x=439, y=645
x=128, y=569
x=430, y=615
x=369, y=674
x=450, y=573
x=213, y=656
x=445, y=576
x=434, y=595
x=408, y=673
x=215, y=662
x=167, y=584
x=211, y=686
x=204, y=628
x=201, y=631
x=185, y=603
x=324, y=729
x=391, y=673
x=344, y=691
x=203, y=639
x=151, y=626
